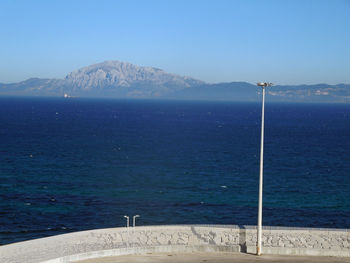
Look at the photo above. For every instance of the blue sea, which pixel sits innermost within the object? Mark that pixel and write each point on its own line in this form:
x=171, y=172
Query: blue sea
x=76, y=164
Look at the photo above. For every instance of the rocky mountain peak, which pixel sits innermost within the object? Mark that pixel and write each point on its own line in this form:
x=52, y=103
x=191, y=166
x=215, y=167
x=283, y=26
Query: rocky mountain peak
x=116, y=73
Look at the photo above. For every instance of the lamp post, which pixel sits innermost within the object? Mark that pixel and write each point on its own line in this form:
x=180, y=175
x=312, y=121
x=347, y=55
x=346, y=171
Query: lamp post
x=258, y=244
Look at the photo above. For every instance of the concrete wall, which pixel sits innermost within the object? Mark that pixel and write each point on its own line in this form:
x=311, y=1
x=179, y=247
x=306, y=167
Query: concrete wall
x=188, y=238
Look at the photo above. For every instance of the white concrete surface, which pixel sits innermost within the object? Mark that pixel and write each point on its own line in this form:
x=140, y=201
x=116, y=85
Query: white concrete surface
x=214, y=257
x=188, y=238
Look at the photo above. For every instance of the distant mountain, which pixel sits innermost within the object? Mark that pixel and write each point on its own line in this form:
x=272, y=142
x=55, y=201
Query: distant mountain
x=243, y=91
x=310, y=93
x=117, y=79
x=128, y=78
x=237, y=91
x=107, y=79
x=34, y=87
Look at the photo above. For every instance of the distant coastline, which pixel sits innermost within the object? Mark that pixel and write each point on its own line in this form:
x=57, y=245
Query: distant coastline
x=115, y=79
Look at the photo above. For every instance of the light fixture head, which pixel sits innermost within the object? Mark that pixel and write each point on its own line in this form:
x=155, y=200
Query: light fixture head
x=264, y=84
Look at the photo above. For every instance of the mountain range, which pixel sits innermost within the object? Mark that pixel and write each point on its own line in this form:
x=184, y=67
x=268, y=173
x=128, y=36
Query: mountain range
x=117, y=79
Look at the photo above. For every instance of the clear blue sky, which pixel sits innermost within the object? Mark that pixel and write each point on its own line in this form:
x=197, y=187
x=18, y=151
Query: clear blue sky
x=285, y=42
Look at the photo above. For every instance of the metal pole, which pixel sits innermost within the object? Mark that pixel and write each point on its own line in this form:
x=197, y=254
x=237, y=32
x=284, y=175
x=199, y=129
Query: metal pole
x=134, y=220
x=258, y=249
x=127, y=221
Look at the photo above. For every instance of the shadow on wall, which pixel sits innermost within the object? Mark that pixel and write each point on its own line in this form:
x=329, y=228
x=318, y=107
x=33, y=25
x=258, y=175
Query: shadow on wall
x=243, y=238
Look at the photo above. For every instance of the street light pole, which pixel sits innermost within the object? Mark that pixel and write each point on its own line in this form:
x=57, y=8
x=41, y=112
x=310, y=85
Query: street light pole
x=258, y=245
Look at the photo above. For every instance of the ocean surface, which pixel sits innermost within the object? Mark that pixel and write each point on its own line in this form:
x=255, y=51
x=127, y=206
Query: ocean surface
x=75, y=164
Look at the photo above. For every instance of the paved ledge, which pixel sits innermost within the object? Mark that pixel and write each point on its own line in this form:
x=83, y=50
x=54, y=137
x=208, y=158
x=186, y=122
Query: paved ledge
x=214, y=258
x=111, y=242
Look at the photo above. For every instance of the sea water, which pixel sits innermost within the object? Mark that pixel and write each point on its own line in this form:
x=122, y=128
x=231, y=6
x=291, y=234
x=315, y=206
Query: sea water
x=75, y=164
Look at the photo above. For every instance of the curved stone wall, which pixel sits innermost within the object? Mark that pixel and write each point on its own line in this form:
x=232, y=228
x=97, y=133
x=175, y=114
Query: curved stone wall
x=188, y=238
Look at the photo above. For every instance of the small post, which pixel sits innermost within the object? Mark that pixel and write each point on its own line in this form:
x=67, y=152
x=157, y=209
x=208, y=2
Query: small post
x=134, y=220
x=127, y=221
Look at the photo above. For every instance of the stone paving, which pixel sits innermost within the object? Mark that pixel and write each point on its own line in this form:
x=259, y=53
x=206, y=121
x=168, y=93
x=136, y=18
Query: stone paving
x=214, y=258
